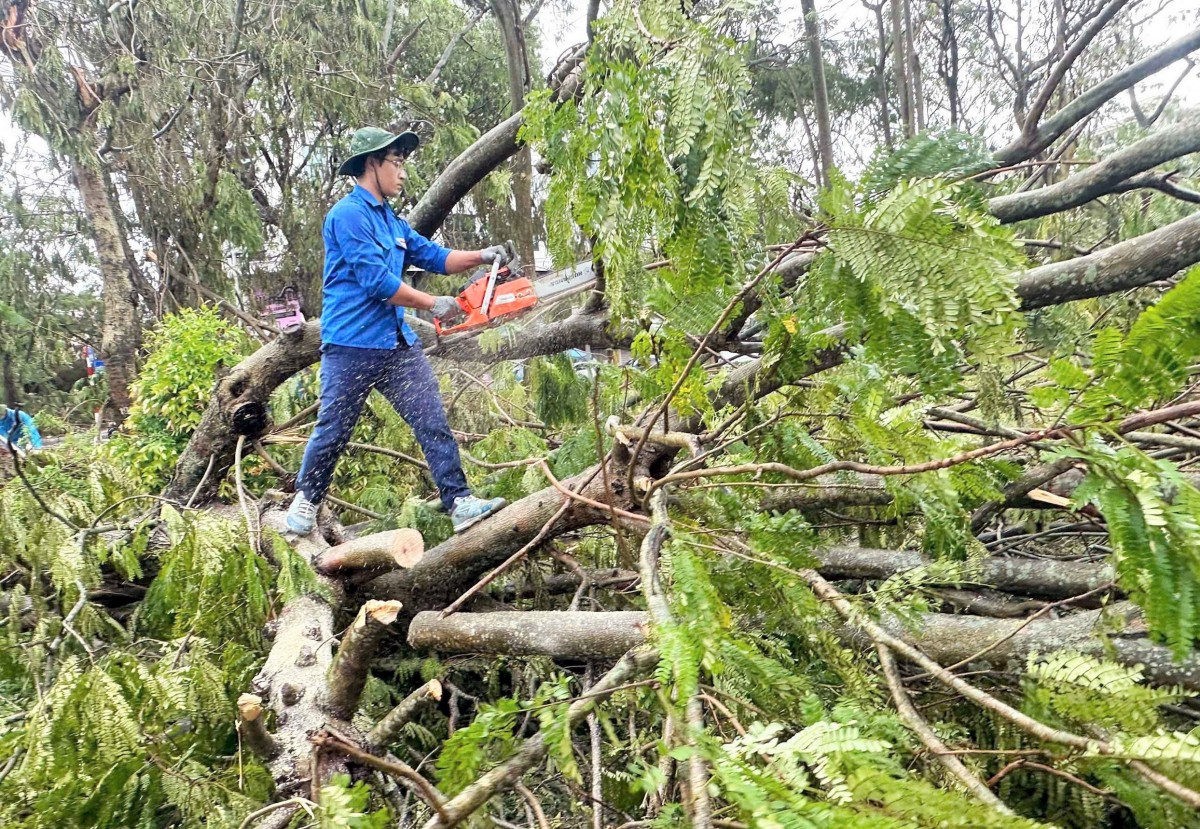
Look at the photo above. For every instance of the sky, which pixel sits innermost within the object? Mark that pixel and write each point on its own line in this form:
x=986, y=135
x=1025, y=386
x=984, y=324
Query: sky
x=563, y=28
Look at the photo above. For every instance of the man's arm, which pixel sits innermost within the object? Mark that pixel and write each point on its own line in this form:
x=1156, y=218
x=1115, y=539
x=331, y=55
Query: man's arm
x=461, y=260
x=410, y=297
x=35, y=437
x=431, y=256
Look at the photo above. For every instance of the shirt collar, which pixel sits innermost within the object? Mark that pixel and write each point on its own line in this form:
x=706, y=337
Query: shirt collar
x=365, y=196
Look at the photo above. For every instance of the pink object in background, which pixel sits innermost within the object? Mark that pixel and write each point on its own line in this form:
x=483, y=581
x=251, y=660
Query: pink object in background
x=285, y=310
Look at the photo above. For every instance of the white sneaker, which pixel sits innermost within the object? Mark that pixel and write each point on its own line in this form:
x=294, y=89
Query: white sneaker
x=302, y=515
x=469, y=511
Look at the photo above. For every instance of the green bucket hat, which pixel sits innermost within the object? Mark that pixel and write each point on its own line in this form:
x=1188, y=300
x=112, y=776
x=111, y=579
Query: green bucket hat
x=368, y=140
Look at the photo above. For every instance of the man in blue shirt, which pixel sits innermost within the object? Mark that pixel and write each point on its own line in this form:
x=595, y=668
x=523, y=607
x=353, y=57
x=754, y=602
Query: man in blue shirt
x=366, y=342
x=19, y=428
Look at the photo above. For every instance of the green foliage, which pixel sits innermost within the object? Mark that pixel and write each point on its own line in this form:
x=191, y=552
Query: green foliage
x=1128, y=371
x=1153, y=517
x=486, y=741
x=344, y=806
x=560, y=395
x=948, y=154
x=210, y=584
x=172, y=391
x=127, y=742
x=1086, y=690
x=919, y=271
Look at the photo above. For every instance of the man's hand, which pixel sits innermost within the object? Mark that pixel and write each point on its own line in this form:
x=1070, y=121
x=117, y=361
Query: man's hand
x=446, y=308
x=493, y=254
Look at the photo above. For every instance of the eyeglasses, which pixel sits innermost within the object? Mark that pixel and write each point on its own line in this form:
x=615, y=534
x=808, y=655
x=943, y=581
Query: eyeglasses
x=398, y=163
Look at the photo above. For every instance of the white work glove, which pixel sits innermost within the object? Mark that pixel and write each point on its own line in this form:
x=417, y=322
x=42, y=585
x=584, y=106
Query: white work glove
x=495, y=253
x=446, y=308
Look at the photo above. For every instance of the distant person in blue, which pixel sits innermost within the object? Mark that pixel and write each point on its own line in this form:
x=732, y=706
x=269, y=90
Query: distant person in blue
x=18, y=427
x=366, y=342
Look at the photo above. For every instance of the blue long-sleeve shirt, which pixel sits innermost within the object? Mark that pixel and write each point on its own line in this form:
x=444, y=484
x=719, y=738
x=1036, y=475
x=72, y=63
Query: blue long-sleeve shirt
x=366, y=251
x=8, y=425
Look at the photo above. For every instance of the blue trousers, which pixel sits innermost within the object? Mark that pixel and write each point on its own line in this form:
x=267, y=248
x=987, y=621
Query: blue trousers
x=404, y=377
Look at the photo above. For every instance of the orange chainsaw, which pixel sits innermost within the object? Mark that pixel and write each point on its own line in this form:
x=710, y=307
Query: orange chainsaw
x=489, y=299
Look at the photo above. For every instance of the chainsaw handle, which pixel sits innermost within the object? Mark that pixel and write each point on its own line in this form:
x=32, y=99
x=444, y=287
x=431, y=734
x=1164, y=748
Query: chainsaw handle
x=463, y=306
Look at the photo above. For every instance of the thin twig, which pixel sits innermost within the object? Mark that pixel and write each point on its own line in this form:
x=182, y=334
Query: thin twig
x=251, y=535
x=294, y=802
x=534, y=804
x=921, y=728
x=394, y=767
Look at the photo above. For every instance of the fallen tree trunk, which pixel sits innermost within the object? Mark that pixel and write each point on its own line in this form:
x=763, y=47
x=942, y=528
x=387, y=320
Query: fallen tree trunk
x=302, y=682
x=945, y=637
x=448, y=569
x=949, y=639
x=1031, y=577
x=561, y=634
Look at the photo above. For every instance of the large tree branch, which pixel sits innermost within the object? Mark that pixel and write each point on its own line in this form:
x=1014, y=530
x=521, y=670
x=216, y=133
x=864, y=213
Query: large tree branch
x=948, y=638
x=239, y=406
x=1030, y=577
x=450, y=567
x=1101, y=178
x=492, y=149
x=560, y=634
x=1130, y=264
x=1091, y=100
x=576, y=331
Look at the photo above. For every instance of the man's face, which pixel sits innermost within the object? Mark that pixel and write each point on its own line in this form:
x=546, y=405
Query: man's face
x=392, y=175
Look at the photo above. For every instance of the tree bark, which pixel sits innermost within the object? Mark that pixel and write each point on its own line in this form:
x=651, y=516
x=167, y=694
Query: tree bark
x=1028, y=577
x=1054, y=127
x=389, y=727
x=820, y=92
x=239, y=406
x=948, y=638
x=372, y=553
x=900, y=67
x=881, y=92
x=508, y=19
x=448, y=569
x=1102, y=178
x=348, y=673
x=122, y=329
x=1131, y=264
x=558, y=634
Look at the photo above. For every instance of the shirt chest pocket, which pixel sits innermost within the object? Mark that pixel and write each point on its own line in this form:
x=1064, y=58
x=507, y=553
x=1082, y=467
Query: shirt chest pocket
x=397, y=253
